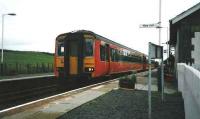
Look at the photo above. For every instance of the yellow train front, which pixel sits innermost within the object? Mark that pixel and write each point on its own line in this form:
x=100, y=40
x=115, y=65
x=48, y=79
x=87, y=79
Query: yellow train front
x=86, y=54
x=74, y=56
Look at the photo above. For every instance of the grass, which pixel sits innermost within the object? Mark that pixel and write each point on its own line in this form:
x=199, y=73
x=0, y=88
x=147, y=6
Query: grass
x=26, y=62
x=27, y=57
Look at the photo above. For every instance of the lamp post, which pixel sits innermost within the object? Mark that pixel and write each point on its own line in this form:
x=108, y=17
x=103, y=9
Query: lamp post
x=160, y=8
x=3, y=15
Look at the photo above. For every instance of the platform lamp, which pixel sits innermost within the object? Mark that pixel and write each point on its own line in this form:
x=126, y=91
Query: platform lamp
x=3, y=15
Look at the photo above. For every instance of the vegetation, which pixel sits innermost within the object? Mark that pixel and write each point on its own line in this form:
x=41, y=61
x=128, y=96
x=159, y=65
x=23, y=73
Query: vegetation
x=26, y=62
x=128, y=81
x=27, y=57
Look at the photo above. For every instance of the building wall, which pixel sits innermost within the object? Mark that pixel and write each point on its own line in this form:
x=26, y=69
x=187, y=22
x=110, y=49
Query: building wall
x=196, y=51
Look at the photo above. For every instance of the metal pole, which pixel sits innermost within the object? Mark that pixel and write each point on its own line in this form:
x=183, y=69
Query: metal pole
x=149, y=84
x=2, y=44
x=160, y=22
x=2, y=48
x=167, y=44
x=162, y=80
x=2, y=38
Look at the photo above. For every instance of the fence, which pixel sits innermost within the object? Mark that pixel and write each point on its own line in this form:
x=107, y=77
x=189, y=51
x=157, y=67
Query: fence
x=15, y=68
x=189, y=85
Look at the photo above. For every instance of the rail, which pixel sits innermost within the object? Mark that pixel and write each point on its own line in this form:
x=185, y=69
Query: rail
x=20, y=89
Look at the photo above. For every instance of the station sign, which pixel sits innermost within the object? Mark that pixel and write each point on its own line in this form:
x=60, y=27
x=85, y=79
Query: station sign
x=157, y=25
x=156, y=51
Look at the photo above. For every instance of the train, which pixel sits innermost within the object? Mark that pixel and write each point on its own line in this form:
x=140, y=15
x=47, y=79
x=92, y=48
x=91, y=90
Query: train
x=84, y=53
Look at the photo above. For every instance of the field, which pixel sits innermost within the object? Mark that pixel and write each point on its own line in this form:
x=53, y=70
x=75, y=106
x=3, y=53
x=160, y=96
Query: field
x=27, y=57
x=27, y=62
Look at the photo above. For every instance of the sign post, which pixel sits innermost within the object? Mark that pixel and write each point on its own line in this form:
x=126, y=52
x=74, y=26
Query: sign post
x=149, y=84
x=155, y=52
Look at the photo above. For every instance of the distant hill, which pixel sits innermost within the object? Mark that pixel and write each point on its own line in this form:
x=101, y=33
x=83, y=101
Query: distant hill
x=27, y=57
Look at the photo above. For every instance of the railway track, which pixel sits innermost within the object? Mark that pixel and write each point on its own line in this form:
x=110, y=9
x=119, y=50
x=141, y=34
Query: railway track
x=18, y=108
x=19, y=92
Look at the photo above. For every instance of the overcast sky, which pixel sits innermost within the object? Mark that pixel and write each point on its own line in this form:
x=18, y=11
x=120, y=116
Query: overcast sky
x=38, y=22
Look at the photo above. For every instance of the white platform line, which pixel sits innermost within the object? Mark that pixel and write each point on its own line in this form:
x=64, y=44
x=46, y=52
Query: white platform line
x=22, y=78
x=95, y=88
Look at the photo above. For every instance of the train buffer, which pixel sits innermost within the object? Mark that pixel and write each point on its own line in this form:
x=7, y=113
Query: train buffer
x=106, y=101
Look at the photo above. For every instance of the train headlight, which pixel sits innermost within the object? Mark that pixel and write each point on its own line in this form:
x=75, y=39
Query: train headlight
x=89, y=69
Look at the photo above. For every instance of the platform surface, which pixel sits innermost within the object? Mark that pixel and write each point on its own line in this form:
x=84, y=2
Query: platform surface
x=129, y=104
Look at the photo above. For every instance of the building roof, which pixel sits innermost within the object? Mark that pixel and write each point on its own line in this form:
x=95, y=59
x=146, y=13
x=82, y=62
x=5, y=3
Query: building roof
x=185, y=13
x=189, y=17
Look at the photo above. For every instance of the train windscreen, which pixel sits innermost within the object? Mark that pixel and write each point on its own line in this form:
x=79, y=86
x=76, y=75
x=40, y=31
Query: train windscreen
x=89, y=47
x=60, y=50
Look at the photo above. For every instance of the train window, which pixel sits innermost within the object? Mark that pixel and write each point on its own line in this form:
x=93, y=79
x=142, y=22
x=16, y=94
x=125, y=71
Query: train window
x=107, y=53
x=89, y=47
x=60, y=50
x=116, y=55
x=112, y=51
x=102, y=52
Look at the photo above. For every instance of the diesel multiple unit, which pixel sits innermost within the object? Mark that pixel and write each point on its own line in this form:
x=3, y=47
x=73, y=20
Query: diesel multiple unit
x=85, y=53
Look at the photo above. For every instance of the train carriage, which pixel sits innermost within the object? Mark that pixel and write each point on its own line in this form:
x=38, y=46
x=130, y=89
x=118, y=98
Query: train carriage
x=86, y=54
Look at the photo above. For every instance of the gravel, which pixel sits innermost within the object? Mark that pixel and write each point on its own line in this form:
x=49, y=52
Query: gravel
x=129, y=104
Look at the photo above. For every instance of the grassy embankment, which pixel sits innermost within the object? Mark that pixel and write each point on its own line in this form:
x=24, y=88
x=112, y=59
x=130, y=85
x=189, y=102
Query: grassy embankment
x=27, y=62
x=27, y=57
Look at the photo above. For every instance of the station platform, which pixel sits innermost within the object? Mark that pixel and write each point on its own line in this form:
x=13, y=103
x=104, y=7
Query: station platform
x=72, y=105
x=24, y=76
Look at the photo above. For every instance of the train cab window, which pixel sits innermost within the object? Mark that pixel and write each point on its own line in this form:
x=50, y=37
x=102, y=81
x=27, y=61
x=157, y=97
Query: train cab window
x=60, y=50
x=102, y=52
x=89, y=47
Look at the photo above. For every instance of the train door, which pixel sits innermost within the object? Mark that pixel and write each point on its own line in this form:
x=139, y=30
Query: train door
x=73, y=55
x=107, y=58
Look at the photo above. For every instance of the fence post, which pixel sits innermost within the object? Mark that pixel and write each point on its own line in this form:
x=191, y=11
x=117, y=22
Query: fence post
x=27, y=68
x=16, y=67
x=43, y=70
x=48, y=68
x=20, y=68
x=5, y=70
x=1, y=69
x=52, y=67
x=34, y=68
x=37, y=68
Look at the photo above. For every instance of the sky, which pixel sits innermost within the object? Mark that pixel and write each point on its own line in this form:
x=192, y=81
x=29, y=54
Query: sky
x=38, y=22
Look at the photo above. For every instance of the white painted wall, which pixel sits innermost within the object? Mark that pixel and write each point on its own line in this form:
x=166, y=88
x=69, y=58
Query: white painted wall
x=196, y=52
x=189, y=86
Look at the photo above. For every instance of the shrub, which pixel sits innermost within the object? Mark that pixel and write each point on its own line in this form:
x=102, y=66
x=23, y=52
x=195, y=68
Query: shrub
x=127, y=82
